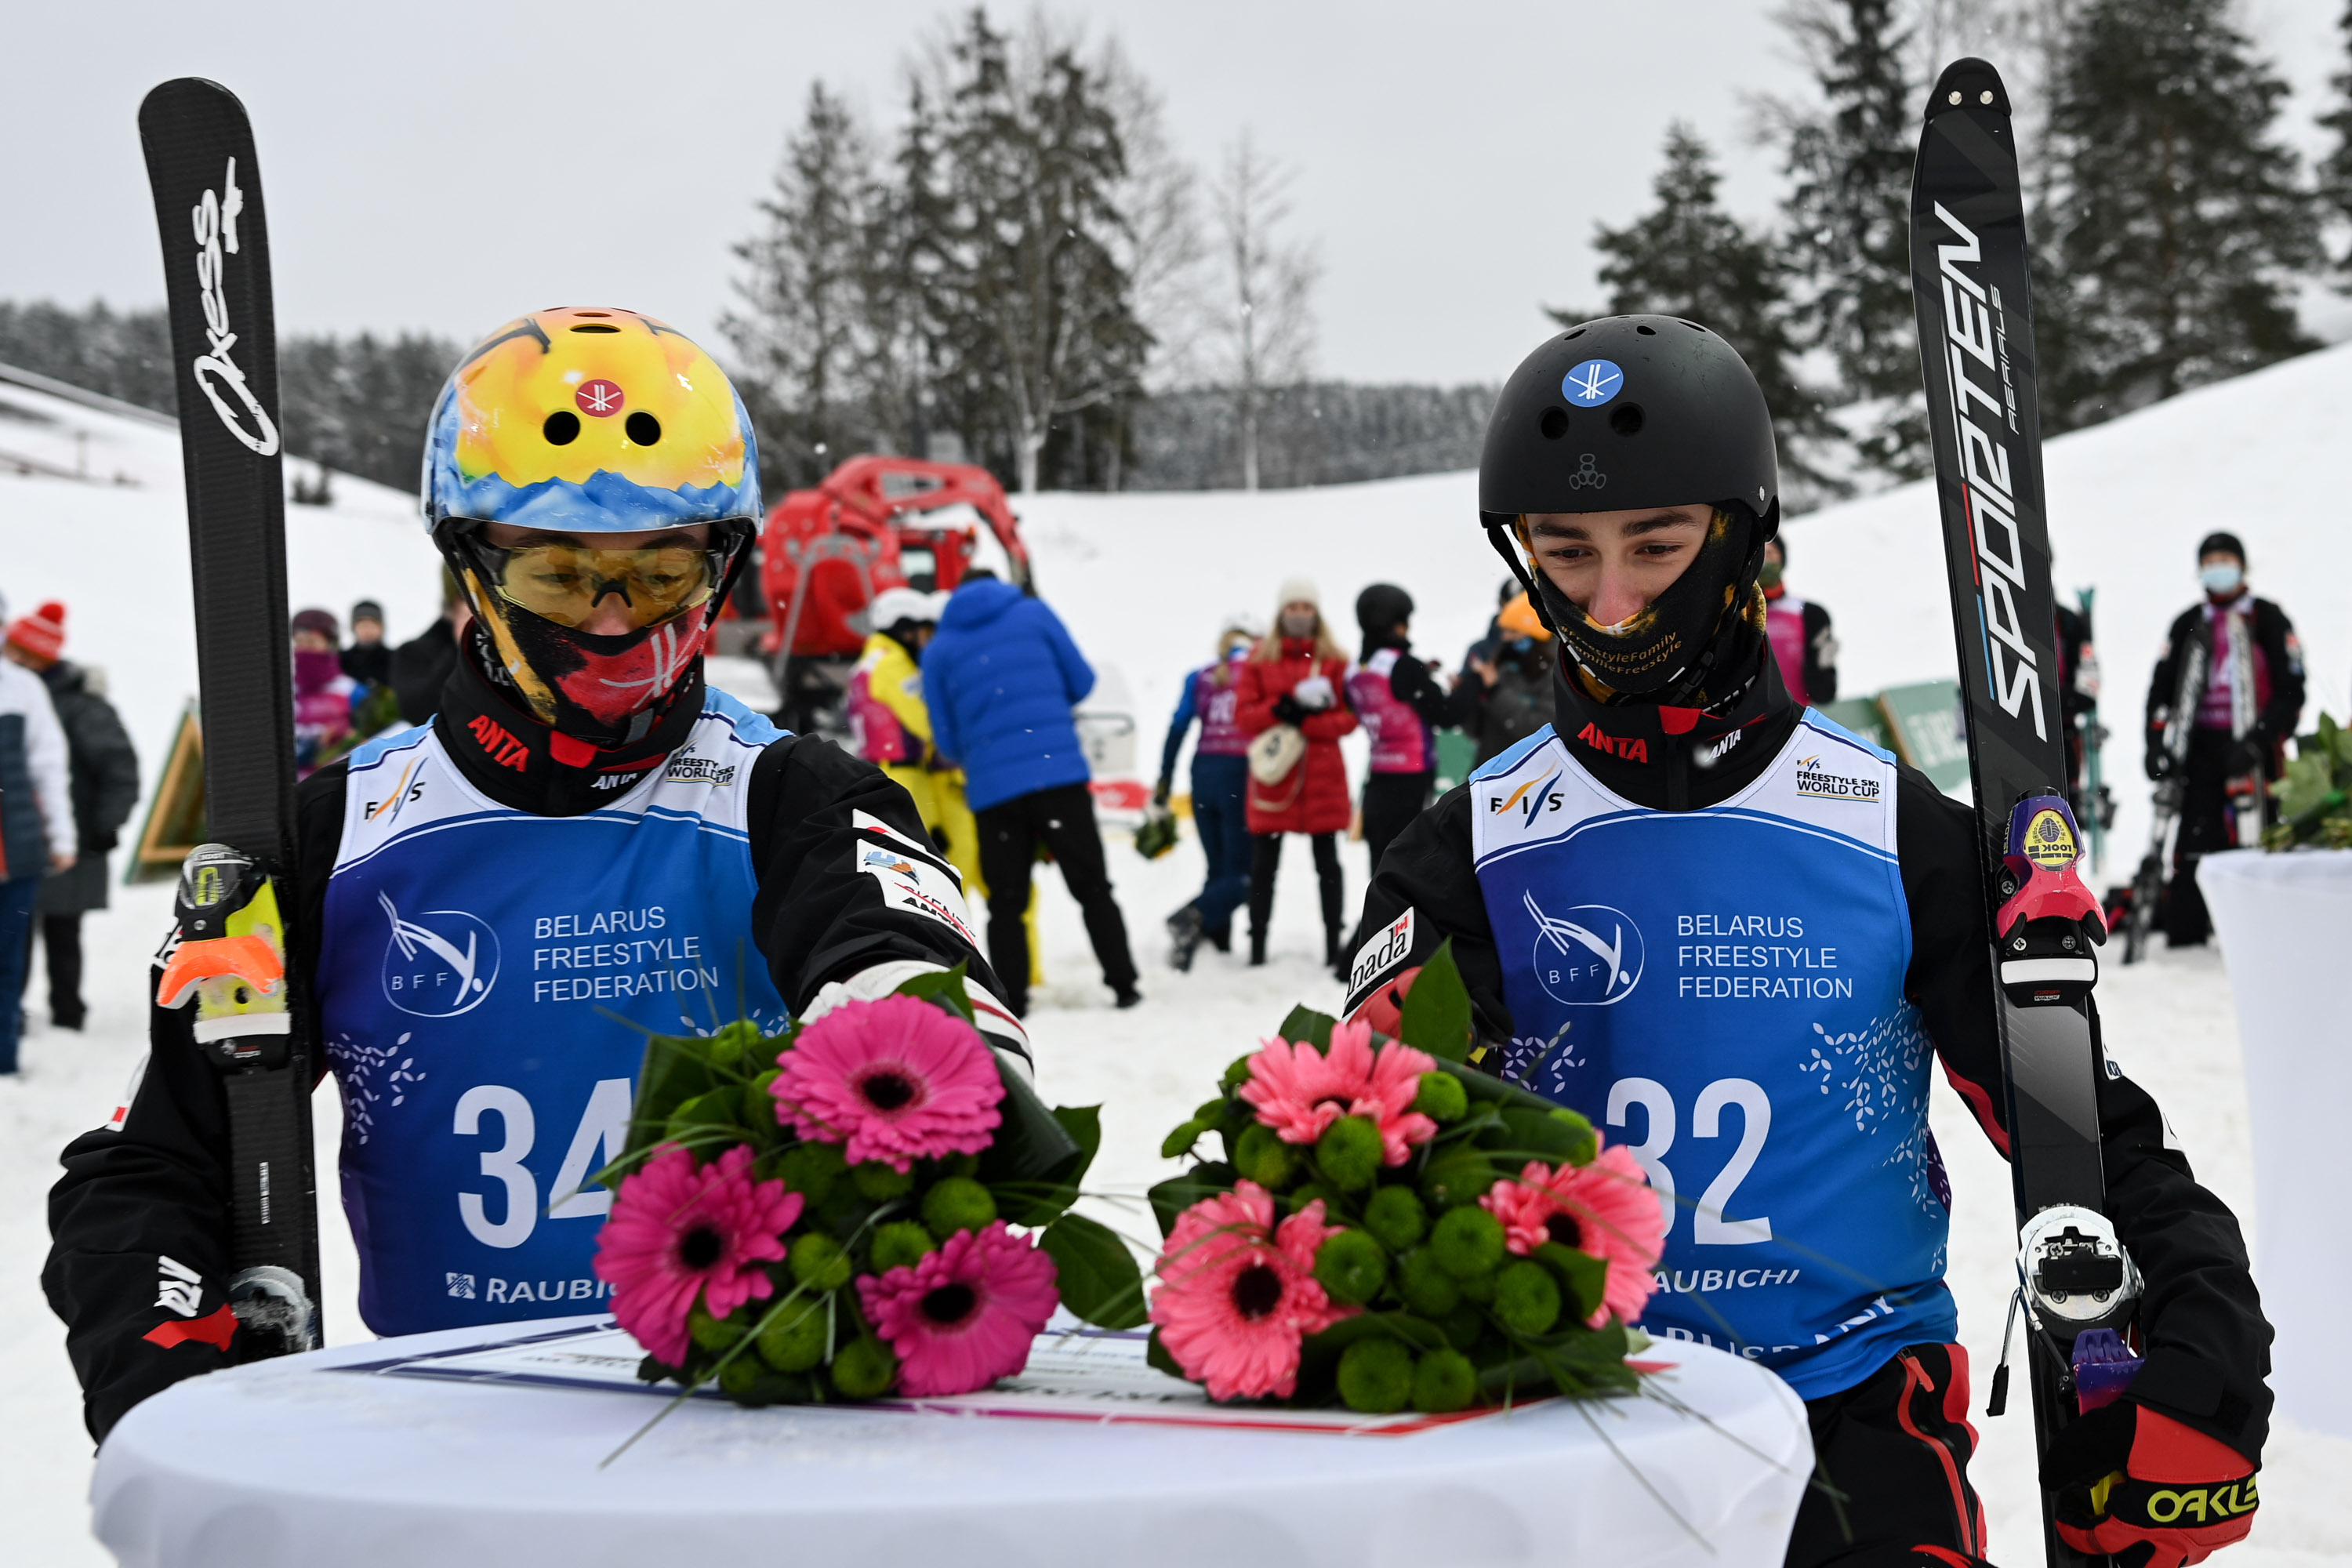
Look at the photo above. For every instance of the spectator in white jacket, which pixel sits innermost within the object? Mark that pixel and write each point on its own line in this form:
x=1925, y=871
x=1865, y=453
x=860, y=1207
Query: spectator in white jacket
x=36, y=829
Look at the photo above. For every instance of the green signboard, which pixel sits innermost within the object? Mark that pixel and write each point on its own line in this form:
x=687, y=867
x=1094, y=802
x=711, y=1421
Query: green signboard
x=1925, y=721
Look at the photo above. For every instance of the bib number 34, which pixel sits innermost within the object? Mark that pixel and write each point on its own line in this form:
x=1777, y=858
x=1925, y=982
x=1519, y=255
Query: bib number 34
x=603, y=1126
x=1711, y=1221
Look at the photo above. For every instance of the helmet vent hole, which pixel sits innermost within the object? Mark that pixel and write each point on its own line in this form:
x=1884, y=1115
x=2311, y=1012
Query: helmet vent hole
x=562, y=427
x=598, y=315
x=1554, y=424
x=1646, y=331
x=1626, y=420
x=643, y=428
x=1573, y=336
x=595, y=327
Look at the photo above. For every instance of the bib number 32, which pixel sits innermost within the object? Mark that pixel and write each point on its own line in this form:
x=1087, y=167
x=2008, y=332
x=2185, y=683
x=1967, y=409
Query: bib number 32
x=1711, y=1221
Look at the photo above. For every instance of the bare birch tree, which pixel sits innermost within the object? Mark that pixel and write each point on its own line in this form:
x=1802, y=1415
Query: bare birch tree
x=1264, y=322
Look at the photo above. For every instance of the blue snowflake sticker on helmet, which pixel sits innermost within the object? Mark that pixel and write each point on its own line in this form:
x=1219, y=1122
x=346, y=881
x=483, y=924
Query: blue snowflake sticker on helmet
x=1593, y=383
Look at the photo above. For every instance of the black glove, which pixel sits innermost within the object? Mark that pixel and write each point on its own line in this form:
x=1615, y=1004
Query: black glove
x=2251, y=755
x=100, y=843
x=1159, y=794
x=1286, y=708
x=2158, y=759
x=2140, y=1485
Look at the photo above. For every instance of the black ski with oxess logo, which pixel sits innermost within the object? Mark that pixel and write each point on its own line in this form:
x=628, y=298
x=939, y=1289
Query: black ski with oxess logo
x=1968, y=277
x=229, y=958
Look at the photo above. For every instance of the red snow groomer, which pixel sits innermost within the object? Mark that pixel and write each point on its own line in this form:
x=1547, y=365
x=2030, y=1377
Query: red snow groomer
x=825, y=553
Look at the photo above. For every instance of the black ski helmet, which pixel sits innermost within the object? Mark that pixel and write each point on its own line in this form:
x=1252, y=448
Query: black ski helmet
x=1624, y=412
x=1380, y=607
x=1629, y=411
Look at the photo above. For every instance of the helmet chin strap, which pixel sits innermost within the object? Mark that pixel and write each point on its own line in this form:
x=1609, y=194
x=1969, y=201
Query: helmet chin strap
x=1688, y=683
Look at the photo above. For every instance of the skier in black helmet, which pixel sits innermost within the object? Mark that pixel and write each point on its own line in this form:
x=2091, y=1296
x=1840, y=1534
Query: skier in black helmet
x=1732, y=934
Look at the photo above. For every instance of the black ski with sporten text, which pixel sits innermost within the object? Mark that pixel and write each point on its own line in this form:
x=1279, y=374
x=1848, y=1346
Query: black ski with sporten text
x=1969, y=281
x=228, y=957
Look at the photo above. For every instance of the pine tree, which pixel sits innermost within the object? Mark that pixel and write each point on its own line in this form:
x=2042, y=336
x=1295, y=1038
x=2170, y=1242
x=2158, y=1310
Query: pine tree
x=2174, y=221
x=2335, y=170
x=807, y=332
x=1689, y=258
x=1849, y=219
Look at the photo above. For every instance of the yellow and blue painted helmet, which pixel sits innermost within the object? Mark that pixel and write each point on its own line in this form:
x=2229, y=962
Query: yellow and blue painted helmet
x=581, y=420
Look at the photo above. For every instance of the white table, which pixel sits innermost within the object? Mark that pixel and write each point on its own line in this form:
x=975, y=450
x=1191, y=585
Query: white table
x=301, y=1462
x=2285, y=922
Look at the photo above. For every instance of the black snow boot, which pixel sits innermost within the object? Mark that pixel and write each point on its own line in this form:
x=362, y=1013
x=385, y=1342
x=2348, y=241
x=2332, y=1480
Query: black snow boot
x=1184, y=938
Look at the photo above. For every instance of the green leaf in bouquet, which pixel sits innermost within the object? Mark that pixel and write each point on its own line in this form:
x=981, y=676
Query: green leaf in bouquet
x=1035, y=1162
x=1095, y=1273
x=943, y=987
x=674, y=1072
x=1418, y=1333
x=1173, y=1197
x=1437, y=1014
x=708, y=1119
x=1183, y=1139
x=1582, y=1275
x=1306, y=1023
x=1553, y=1135
x=1155, y=1356
x=2308, y=782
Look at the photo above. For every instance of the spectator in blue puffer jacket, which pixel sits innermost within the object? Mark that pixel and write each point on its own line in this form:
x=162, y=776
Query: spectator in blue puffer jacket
x=1001, y=676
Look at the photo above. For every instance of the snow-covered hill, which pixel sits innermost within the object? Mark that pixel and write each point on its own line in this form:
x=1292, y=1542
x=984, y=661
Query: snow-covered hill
x=1141, y=581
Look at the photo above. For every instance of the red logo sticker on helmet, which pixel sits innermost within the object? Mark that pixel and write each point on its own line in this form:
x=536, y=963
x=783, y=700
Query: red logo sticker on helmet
x=599, y=399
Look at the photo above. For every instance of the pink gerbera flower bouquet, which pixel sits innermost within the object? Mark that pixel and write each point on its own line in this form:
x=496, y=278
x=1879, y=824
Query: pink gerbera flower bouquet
x=870, y=1203
x=1377, y=1223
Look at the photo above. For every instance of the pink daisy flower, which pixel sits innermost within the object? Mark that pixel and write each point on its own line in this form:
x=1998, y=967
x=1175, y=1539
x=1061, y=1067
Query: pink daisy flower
x=963, y=1316
x=1237, y=1294
x=1605, y=1208
x=896, y=1080
x=677, y=1230
x=1299, y=1091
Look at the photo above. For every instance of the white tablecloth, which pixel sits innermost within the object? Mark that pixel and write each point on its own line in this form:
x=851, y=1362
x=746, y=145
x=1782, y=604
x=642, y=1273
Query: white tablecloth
x=295, y=1462
x=2285, y=922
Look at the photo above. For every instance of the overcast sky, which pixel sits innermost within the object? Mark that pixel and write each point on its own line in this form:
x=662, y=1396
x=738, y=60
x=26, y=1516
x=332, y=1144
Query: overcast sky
x=446, y=166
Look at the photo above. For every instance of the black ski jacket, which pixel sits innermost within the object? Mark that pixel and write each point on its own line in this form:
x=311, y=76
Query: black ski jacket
x=141, y=1207
x=2282, y=652
x=2207, y=1342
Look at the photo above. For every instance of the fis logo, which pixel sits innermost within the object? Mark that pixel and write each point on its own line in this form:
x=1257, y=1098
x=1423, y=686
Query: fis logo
x=1531, y=800
x=1589, y=955
x=401, y=792
x=1983, y=392
x=440, y=964
x=216, y=374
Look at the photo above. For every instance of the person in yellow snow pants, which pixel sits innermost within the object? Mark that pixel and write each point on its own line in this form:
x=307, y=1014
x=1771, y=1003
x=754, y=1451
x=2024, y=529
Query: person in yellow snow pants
x=892, y=729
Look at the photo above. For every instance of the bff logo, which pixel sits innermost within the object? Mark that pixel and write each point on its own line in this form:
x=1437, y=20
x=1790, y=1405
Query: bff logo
x=440, y=969
x=1587, y=956
x=1586, y=474
x=1593, y=383
x=599, y=399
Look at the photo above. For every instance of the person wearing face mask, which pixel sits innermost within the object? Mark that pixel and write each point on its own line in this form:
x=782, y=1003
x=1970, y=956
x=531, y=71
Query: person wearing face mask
x=2242, y=658
x=1297, y=678
x=323, y=694
x=1220, y=775
x=1735, y=938
x=588, y=844
x=1803, y=644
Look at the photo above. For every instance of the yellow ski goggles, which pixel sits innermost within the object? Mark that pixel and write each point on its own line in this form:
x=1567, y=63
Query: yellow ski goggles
x=568, y=584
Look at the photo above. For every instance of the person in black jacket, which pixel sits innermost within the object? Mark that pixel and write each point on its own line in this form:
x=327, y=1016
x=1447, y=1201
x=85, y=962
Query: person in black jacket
x=1504, y=692
x=1399, y=699
x=1735, y=937
x=587, y=844
x=2231, y=676
x=103, y=770
x=369, y=658
x=420, y=667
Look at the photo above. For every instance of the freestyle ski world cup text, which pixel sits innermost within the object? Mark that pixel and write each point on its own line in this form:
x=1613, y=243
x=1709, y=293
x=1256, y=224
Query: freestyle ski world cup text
x=1975, y=327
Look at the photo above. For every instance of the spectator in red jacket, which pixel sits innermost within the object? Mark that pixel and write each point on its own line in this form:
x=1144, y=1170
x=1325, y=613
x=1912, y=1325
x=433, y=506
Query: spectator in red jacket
x=1297, y=677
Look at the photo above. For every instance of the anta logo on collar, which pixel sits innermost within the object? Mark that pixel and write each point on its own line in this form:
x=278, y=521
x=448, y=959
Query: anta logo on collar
x=501, y=747
x=1531, y=799
x=1637, y=749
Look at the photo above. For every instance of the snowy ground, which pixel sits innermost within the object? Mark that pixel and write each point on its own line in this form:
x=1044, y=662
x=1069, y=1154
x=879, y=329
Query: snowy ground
x=2169, y=1022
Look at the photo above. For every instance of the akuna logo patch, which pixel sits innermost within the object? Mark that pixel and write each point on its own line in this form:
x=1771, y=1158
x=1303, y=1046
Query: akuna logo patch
x=1588, y=955
x=440, y=964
